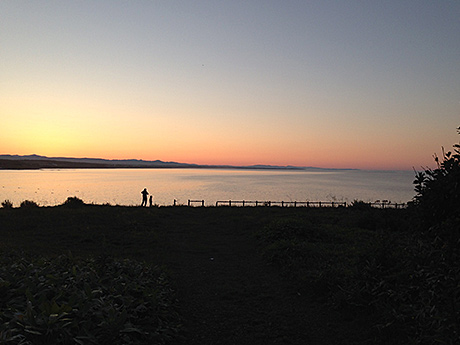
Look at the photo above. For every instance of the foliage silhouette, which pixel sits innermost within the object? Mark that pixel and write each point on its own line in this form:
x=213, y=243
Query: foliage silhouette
x=438, y=191
x=73, y=201
x=29, y=204
x=7, y=204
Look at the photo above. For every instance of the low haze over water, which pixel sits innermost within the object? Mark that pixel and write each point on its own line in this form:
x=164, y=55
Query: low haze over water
x=123, y=186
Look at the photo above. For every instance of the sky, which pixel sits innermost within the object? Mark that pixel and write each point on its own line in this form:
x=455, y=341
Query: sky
x=334, y=84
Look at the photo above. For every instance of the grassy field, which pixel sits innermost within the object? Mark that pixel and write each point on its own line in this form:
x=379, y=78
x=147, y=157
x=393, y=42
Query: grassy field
x=254, y=275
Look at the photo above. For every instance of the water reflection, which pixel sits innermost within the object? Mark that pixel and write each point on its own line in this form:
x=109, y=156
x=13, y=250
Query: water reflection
x=122, y=186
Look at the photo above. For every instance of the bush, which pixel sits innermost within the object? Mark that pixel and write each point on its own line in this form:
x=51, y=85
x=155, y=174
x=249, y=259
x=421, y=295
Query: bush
x=438, y=191
x=73, y=201
x=68, y=301
x=29, y=204
x=7, y=204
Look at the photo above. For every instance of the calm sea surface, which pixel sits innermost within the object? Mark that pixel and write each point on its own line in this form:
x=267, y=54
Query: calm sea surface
x=123, y=186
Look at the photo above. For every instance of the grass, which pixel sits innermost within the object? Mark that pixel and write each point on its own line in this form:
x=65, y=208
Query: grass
x=374, y=264
x=358, y=275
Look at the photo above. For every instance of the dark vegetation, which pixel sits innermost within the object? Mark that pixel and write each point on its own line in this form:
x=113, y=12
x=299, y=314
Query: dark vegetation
x=28, y=204
x=355, y=275
x=93, y=301
x=7, y=204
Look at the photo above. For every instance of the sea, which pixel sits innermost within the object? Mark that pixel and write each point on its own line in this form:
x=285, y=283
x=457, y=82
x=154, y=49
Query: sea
x=50, y=187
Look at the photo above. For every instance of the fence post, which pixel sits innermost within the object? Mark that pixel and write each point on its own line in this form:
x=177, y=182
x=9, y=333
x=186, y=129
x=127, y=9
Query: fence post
x=189, y=202
x=256, y=202
x=229, y=203
x=320, y=204
x=202, y=203
x=243, y=203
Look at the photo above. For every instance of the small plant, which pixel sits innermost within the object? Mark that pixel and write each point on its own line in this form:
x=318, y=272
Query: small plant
x=73, y=201
x=7, y=204
x=70, y=301
x=29, y=204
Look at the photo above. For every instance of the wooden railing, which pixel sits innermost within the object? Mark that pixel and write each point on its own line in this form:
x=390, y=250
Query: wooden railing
x=244, y=203
x=387, y=204
x=281, y=203
x=190, y=202
x=269, y=203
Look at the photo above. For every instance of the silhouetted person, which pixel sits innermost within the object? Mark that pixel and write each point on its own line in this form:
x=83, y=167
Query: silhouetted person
x=144, y=197
x=151, y=200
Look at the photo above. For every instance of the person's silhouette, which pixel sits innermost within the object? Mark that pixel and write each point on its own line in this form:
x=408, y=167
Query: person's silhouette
x=151, y=200
x=144, y=197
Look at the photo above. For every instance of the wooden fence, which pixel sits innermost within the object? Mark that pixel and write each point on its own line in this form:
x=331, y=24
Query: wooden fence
x=387, y=204
x=244, y=203
x=280, y=203
x=190, y=202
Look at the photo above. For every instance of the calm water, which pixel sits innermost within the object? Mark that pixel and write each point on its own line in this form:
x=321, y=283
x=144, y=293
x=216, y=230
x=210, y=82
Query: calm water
x=123, y=186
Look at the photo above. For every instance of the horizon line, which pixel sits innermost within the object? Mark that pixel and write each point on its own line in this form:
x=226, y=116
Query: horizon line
x=189, y=165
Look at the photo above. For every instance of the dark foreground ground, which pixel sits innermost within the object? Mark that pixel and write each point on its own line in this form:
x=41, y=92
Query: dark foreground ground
x=228, y=292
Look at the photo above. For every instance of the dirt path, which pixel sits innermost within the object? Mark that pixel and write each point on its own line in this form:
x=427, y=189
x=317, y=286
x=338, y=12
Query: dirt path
x=230, y=295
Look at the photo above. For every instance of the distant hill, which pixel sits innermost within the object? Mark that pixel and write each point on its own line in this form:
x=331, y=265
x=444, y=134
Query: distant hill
x=42, y=162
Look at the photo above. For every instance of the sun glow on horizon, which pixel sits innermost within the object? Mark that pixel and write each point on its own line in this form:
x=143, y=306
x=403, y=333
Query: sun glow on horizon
x=332, y=85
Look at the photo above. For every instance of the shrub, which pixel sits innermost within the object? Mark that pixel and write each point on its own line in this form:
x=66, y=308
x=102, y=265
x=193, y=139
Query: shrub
x=29, y=204
x=7, y=204
x=438, y=191
x=73, y=201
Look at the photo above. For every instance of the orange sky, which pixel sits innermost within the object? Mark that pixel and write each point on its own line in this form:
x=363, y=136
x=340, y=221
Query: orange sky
x=373, y=86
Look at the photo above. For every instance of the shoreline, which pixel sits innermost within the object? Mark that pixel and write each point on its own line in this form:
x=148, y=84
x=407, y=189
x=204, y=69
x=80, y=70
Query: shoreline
x=7, y=164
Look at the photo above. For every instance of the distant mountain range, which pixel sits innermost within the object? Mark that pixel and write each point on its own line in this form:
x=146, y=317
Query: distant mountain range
x=42, y=162
x=66, y=162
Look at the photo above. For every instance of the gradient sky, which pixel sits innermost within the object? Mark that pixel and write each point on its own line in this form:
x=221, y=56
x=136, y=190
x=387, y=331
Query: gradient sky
x=344, y=84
